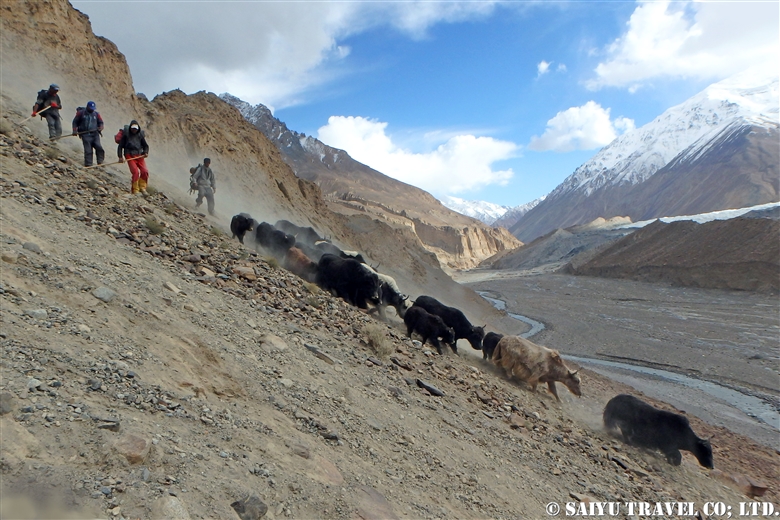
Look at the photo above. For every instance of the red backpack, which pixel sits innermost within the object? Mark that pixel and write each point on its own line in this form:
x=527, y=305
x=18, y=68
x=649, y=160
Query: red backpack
x=119, y=135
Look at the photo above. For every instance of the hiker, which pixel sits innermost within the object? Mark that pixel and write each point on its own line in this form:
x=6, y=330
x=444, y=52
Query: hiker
x=48, y=105
x=205, y=183
x=88, y=125
x=132, y=141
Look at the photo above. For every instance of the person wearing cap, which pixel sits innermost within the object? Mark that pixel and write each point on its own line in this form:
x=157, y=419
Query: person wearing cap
x=48, y=105
x=89, y=126
x=134, y=148
x=207, y=184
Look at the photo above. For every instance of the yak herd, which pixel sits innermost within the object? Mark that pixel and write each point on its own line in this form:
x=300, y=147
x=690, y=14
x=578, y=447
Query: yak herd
x=345, y=274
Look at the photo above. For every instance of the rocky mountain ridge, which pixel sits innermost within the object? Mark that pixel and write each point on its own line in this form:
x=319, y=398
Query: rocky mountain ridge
x=353, y=188
x=510, y=218
x=718, y=150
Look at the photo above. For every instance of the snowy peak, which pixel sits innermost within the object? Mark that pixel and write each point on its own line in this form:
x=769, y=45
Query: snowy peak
x=262, y=118
x=746, y=99
x=486, y=212
x=510, y=218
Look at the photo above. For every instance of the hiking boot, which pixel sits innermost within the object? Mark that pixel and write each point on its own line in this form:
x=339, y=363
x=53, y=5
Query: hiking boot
x=134, y=188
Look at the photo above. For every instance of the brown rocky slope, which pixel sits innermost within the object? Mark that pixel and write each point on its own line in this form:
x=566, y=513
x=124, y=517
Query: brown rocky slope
x=153, y=368
x=740, y=253
x=50, y=41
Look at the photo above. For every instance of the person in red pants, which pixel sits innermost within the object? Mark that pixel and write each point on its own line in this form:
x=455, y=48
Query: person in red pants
x=134, y=149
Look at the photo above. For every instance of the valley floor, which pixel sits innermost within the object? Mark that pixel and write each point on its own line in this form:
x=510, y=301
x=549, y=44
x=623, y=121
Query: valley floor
x=729, y=338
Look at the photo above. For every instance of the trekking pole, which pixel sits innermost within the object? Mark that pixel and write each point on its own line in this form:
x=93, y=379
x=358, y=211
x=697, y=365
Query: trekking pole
x=36, y=114
x=117, y=162
x=72, y=135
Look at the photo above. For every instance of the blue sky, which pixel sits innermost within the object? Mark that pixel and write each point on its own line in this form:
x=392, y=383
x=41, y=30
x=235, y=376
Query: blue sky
x=495, y=101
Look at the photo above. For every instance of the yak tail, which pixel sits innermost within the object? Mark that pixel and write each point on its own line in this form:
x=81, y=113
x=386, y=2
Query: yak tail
x=610, y=421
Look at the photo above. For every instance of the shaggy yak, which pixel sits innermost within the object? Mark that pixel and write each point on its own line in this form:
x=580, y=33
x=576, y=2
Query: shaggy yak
x=391, y=295
x=240, y=224
x=349, y=280
x=535, y=364
x=429, y=326
x=272, y=240
x=489, y=344
x=648, y=427
x=453, y=318
x=303, y=235
x=300, y=265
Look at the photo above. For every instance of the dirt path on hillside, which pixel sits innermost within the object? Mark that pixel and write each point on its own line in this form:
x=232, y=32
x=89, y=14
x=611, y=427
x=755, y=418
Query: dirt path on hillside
x=681, y=339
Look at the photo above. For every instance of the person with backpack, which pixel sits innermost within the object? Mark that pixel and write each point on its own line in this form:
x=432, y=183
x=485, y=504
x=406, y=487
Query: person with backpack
x=133, y=148
x=88, y=125
x=48, y=105
x=204, y=181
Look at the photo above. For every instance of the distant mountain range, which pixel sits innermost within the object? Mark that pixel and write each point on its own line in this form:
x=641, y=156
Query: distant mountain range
x=510, y=218
x=718, y=150
x=351, y=187
x=487, y=212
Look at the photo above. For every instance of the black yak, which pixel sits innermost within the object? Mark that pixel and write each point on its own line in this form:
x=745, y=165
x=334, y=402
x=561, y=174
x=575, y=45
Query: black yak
x=272, y=240
x=303, y=235
x=349, y=280
x=455, y=319
x=648, y=427
x=240, y=224
x=429, y=326
x=489, y=344
x=324, y=247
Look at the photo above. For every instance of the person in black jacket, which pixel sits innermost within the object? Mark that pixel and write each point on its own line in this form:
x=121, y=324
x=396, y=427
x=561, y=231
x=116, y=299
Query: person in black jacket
x=133, y=144
x=49, y=100
x=89, y=126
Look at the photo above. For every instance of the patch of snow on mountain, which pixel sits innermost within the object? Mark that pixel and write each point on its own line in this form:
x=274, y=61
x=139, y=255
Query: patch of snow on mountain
x=487, y=212
x=724, y=214
x=749, y=98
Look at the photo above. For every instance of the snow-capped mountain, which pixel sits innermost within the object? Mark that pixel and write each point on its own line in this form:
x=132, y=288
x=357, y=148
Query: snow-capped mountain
x=487, y=212
x=510, y=218
x=656, y=170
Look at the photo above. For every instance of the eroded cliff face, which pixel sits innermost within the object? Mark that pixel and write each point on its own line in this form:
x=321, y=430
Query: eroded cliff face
x=462, y=245
x=47, y=42
x=466, y=247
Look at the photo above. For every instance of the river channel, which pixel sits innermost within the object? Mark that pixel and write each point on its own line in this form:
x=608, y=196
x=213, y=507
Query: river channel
x=712, y=402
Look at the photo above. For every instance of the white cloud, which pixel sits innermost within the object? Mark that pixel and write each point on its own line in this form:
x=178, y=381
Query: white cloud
x=461, y=164
x=543, y=67
x=264, y=52
x=561, y=67
x=702, y=40
x=580, y=128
